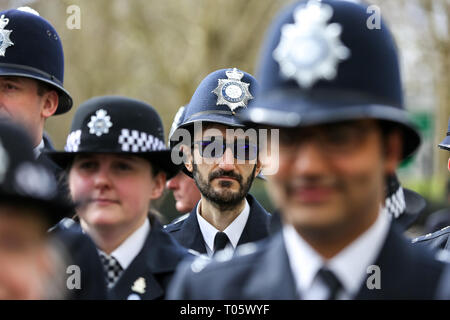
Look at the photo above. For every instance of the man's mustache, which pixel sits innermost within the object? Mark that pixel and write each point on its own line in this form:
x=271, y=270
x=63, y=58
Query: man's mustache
x=223, y=173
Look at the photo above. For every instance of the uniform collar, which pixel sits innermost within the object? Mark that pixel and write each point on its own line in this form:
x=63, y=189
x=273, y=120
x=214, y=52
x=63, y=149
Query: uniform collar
x=131, y=247
x=233, y=231
x=37, y=151
x=349, y=266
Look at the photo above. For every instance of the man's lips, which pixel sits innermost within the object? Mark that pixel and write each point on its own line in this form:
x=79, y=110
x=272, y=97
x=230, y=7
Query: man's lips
x=312, y=194
x=104, y=201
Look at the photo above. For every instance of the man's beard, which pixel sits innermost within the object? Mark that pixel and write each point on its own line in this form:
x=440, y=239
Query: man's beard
x=224, y=199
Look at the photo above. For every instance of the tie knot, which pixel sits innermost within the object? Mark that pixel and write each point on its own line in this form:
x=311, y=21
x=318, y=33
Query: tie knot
x=112, y=267
x=220, y=241
x=331, y=281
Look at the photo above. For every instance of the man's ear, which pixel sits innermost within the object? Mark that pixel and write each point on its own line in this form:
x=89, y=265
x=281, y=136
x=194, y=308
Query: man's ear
x=188, y=158
x=393, y=151
x=258, y=168
x=159, y=181
x=51, y=100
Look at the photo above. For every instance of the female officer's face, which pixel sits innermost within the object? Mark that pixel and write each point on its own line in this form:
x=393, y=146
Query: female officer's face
x=115, y=191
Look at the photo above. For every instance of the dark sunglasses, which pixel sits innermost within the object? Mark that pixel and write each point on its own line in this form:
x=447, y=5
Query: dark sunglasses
x=242, y=150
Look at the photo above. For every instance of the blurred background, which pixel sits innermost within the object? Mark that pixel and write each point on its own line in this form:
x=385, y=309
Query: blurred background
x=159, y=51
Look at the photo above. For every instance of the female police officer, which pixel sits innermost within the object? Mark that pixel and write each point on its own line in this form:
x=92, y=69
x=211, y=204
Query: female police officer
x=116, y=165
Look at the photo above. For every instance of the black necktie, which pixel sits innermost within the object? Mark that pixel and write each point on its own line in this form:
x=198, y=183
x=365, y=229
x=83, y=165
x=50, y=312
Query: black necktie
x=220, y=241
x=331, y=281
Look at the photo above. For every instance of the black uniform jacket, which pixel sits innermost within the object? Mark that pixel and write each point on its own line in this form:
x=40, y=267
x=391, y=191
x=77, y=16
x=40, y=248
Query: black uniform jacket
x=148, y=275
x=263, y=272
x=187, y=231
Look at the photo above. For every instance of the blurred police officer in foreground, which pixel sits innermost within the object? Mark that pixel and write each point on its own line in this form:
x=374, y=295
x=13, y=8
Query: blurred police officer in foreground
x=185, y=191
x=32, y=267
x=222, y=165
x=333, y=86
x=116, y=164
x=439, y=240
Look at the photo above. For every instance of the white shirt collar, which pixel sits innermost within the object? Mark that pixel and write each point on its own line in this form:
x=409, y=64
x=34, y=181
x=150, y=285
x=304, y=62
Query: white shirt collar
x=37, y=151
x=349, y=266
x=233, y=231
x=132, y=245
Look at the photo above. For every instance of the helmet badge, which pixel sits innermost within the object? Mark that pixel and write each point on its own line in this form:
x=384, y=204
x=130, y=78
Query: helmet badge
x=310, y=49
x=232, y=91
x=5, y=42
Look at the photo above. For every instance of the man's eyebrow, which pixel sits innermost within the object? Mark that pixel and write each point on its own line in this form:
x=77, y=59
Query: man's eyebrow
x=12, y=79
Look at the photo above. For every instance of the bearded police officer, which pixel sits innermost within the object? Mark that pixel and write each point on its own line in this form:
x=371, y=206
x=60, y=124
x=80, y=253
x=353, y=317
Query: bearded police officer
x=223, y=166
x=333, y=88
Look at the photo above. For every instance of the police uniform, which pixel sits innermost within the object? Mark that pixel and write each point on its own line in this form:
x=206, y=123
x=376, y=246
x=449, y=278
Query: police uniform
x=211, y=103
x=187, y=231
x=321, y=64
x=439, y=240
x=119, y=125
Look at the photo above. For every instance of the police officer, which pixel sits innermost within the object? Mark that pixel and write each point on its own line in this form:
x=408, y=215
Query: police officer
x=223, y=166
x=332, y=86
x=31, y=74
x=439, y=240
x=32, y=266
x=185, y=192
x=116, y=164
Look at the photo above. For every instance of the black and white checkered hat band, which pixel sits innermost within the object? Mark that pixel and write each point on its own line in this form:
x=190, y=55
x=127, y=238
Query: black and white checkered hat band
x=129, y=141
x=135, y=141
x=395, y=204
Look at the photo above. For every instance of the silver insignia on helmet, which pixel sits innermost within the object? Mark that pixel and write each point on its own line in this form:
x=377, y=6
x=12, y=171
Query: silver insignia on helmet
x=100, y=123
x=232, y=91
x=34, y=180
x=5, y=41
x=310, y=49
x=73, y=141
x=4, y=162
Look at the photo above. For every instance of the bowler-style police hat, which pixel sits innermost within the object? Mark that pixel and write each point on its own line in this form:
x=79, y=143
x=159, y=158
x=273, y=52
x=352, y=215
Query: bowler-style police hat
x=324, y=62
x=219, y=97
x=24, y=182
x=30, y=47
x=114, y=124
x=445, y=144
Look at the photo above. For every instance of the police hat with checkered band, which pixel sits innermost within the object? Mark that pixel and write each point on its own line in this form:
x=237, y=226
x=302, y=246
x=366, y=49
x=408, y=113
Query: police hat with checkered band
x=114, y=124
x=30, y=47
x=445, y=144
x=404, y=205
x=328, y=61
x=23, y=181
x=220, y=96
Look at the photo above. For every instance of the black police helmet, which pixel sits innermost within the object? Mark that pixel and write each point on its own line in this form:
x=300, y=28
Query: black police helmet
x=322, y=63
x=114, y=124
x=220, y=96
x=30, y=47
x=24, y=182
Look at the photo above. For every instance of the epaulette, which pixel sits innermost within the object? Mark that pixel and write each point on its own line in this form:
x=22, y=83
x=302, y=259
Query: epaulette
x=433, y=235
x=176, y=221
